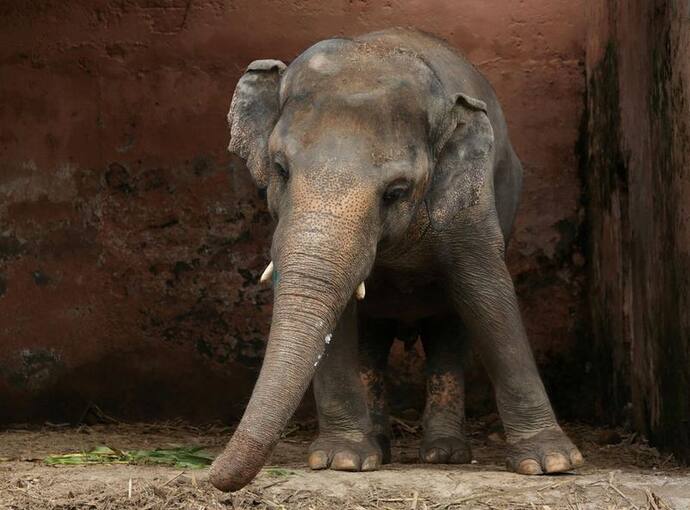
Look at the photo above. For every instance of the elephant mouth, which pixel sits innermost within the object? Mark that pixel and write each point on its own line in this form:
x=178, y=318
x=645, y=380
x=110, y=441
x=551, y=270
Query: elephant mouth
x=267, y=275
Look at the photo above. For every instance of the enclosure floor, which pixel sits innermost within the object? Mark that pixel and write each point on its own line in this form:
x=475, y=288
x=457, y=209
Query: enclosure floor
x=628, y=474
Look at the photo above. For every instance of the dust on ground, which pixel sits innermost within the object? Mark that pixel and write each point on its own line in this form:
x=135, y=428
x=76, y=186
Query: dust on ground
x=622, y=472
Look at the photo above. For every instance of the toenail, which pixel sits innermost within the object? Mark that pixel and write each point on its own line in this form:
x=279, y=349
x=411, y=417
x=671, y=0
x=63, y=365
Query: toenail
x=576, y=458
x=371, y=463
x=318, y=460
x=432, y=455
x=556, y=462
x=529, y=467
x=345, y=461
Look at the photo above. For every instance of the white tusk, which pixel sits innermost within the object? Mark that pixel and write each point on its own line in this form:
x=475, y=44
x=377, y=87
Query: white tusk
x=360, y=292
x=268, y=272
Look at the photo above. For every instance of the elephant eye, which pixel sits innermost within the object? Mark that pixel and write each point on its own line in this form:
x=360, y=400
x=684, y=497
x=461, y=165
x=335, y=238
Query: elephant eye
x=282, y=171
x=395, y=192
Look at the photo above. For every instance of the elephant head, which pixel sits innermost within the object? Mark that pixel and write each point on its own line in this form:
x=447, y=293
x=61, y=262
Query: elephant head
x=354, y=144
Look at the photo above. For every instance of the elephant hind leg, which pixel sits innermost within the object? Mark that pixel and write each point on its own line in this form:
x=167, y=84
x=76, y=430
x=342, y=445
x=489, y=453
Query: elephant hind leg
x=444, y=441
x=376, y=337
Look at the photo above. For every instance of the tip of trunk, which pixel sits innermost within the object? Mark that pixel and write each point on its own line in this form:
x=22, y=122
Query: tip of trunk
x=239, y=463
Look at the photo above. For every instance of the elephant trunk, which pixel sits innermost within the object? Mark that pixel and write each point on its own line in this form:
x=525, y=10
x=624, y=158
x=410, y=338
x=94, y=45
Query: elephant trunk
x=314, y=281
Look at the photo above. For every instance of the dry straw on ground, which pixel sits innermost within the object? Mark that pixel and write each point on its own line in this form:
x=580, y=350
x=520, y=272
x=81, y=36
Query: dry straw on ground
x=622, y=472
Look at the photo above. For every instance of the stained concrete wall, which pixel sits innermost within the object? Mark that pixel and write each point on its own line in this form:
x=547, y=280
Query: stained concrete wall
x=638, y=184
x=131, y=244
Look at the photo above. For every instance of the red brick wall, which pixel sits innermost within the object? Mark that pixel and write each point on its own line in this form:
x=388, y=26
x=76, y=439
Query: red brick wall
x=130, y=244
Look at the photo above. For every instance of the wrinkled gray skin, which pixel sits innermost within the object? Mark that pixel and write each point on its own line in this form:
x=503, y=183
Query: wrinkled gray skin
x=386, y=160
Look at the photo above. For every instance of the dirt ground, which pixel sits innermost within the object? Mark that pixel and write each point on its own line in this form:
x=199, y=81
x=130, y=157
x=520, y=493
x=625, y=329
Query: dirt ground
x=622, y=472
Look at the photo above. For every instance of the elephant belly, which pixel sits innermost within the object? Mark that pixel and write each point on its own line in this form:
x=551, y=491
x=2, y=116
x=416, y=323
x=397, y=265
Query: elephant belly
x=405, y=298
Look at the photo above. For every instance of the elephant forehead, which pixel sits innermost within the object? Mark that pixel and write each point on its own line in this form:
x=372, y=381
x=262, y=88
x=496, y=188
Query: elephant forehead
x=363, y=71
x=389, y=115
x=334, y=125
x=324, y=64
x=340, y=146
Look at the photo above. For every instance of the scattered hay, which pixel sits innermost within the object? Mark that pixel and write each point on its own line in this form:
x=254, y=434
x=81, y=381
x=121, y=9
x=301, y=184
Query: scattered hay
x=621, y=473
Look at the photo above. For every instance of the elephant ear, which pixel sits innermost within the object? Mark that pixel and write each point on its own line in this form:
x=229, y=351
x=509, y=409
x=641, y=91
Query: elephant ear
x=464, y=148
x=254, y=111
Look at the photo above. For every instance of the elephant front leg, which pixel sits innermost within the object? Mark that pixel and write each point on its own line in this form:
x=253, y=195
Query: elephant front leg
x=346, y=439
x=444, y=441
x=483, y=293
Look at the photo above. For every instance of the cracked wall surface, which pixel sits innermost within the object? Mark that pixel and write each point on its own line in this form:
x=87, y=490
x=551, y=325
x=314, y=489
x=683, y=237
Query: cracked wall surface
x=130, y=242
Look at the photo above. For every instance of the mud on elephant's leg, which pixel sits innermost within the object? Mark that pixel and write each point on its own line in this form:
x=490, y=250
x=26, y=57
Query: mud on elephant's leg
x=346, y=439
x=376, y=337
x=444, y=441
x=483, y=293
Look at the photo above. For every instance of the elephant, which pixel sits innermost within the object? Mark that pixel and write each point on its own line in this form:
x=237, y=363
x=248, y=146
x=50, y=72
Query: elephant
x=388, y=169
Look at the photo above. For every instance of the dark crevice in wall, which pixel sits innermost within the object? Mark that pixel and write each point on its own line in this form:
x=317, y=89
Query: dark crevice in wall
x=606, y=185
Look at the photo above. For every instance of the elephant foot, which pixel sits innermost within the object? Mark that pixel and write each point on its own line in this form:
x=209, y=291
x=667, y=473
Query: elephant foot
x=548, y=451
x=343, y=454
x=445, y=450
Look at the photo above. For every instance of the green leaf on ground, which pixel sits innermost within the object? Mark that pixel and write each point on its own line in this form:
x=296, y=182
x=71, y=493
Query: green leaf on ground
x=187, y=457
x=275, y=471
